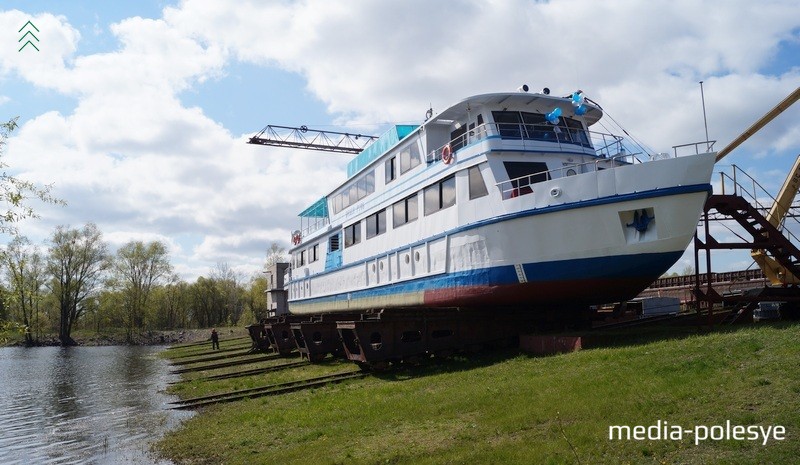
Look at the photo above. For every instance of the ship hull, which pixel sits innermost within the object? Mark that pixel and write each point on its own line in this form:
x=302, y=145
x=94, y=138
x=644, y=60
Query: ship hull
x=600, y=250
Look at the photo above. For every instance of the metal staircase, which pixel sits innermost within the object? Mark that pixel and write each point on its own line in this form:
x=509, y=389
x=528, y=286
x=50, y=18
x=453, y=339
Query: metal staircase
x=756, y=233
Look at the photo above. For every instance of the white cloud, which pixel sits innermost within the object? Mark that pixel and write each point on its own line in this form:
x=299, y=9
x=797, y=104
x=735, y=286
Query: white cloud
x=135, y=160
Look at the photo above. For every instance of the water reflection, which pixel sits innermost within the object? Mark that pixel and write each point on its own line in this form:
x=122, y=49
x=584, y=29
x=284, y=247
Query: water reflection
x=82, y=404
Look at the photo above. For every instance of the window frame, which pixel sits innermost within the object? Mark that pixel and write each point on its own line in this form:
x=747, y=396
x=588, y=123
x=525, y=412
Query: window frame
x=352, y=234
x=434, y=196
x=374, y=224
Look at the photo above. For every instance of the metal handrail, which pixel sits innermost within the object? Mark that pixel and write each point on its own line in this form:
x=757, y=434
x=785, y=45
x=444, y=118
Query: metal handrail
x=522, y=185
x=752, y=196
x=708, y=143
x=602, y=144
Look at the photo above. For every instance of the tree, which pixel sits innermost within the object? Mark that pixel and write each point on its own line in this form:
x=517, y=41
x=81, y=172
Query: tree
x=227, y=282
x=256, y=297
x=172, y=303
x=137, y=268
x=77, y=260
x=25, y=275
x=14, y=191
x=275, y=254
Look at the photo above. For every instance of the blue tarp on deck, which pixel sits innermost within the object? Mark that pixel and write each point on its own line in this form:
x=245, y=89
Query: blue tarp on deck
x=379, y=147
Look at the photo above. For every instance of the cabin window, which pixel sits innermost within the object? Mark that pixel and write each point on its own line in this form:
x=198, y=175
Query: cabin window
x=352, y=234
x=376, y=224
x=458, y=138
x=405, y=211
x=391, y=169
x=333, y=243
x=369, y=183
x=477, y=187
x=313, y=253
x=302, y=260
x=409, y=157
x=440, y=195
x=523, y=174
x=360, y=188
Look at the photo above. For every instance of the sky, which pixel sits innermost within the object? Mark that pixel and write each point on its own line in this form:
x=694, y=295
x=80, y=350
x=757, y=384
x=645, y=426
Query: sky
x=138, y=113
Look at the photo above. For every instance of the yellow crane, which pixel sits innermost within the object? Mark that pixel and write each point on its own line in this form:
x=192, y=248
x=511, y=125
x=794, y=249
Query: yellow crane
x=774, y=271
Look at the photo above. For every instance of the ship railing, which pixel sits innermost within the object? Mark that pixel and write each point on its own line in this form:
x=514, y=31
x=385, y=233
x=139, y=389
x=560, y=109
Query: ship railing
x=736, y=181
x=531, y=136
x=312, y=224
x=704, y=146
x=523, y=185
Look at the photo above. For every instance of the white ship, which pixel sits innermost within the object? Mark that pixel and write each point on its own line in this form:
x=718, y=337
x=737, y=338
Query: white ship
x=501, y=200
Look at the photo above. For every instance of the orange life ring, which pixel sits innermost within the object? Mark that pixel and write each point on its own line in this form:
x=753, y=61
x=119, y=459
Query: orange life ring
x=447, y=154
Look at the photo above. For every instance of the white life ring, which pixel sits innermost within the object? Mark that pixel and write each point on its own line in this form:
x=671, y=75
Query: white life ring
x=447, y=154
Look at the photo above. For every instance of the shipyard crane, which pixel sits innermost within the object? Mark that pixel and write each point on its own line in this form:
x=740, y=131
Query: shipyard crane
x=769, y=116
x=311, y=139
x=773, y=270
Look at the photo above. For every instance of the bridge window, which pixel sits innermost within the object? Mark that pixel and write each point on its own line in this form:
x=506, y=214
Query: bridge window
x=508, y=123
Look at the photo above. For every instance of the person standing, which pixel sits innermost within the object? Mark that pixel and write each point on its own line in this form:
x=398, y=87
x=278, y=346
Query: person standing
x=214, y=339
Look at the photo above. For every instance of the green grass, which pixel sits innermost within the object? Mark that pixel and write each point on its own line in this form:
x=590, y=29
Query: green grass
x=508, y=408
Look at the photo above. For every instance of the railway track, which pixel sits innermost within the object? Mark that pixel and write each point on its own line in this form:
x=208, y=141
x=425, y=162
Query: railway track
x=225, y=364
x=237, y=353
x=254, y=371
x=205, y=342
x=270, y=390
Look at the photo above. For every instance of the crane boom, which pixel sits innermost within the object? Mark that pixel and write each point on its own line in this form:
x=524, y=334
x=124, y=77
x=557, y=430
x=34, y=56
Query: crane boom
x=785, y=197
x=774, y=271
x=769, y=116
x=311, y=139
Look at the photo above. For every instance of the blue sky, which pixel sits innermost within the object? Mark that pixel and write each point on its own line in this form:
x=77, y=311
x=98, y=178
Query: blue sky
x=138, y=112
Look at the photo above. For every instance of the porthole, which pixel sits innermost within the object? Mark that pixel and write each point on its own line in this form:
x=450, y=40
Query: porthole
x=416, y=256
x=381, y=266
x=408, y=259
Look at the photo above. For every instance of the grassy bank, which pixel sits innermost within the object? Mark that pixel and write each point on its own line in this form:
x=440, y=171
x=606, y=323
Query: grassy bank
x=508, y=408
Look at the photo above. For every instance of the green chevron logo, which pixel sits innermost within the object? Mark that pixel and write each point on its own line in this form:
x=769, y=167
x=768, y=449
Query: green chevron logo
x=29, y=35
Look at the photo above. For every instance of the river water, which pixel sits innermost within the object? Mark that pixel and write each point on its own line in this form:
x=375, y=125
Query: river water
x=83, y=405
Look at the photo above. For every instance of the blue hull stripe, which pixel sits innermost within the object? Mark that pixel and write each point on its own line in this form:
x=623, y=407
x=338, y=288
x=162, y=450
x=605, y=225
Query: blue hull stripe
x=638, y=268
